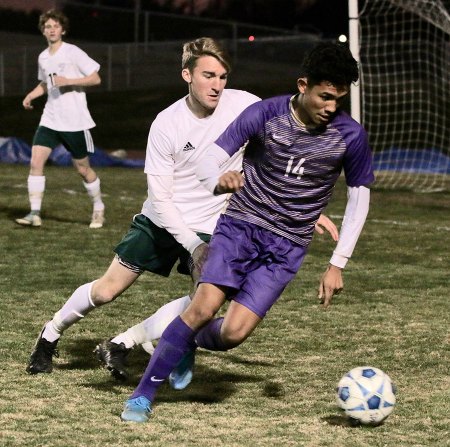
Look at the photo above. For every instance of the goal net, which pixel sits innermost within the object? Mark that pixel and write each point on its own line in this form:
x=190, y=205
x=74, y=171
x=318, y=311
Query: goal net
x=405, y=91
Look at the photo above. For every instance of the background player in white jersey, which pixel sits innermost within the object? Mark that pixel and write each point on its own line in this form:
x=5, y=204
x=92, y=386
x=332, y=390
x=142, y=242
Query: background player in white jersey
x=179, y=214
x=297, y=147
x=64, y=71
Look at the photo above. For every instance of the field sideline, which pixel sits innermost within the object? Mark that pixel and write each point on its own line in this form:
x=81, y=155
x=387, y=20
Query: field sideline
x=277, y=389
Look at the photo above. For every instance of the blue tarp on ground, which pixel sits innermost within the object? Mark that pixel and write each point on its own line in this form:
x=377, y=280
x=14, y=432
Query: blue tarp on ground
x=16, y=151
x=419, y=161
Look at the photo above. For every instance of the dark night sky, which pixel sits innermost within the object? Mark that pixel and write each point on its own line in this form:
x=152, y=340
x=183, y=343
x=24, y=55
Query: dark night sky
x=329, y=16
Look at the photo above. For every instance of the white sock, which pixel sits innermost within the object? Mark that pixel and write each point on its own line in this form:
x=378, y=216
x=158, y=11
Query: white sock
x=94, y=192
x=75, y=308
x=153, y=327
x=36, y=188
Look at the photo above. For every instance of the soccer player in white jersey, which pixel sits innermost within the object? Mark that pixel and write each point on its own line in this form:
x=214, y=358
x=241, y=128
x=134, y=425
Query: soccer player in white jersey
x=179, y=214
x=64, y=72
x=297, y=147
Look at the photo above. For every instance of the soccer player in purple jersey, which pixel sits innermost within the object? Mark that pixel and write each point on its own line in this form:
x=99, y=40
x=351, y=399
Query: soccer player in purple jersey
x=178, y=216
x=297, y=147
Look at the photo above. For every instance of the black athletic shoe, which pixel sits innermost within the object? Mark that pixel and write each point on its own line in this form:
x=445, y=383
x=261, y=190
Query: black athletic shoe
x=114, y=357
x=42, y=356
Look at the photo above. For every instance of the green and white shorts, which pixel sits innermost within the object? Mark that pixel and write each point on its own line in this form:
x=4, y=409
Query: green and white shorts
x=79, y=143
x=147, y=247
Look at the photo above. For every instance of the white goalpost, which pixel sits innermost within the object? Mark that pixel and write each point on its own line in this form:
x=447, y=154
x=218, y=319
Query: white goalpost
x=403, y=97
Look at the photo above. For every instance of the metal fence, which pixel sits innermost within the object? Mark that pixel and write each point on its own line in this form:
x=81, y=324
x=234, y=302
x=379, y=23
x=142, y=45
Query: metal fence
x=155, y=64
x=153, y=49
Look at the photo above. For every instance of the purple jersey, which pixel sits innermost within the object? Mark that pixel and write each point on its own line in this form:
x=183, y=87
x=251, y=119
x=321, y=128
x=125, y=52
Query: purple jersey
x=290, y=171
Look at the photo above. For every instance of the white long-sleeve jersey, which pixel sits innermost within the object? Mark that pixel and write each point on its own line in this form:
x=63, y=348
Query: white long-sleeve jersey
x=177, y=143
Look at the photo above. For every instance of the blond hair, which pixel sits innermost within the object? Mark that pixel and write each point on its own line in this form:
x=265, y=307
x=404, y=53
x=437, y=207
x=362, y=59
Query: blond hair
x=204, y=46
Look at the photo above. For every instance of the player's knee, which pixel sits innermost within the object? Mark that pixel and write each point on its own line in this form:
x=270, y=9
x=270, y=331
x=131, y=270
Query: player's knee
x=198, y=316
x=232, y=337
x=103, y=294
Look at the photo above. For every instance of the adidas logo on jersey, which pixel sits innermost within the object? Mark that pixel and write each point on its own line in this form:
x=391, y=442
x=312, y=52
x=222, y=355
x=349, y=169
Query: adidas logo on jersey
x=188, y=147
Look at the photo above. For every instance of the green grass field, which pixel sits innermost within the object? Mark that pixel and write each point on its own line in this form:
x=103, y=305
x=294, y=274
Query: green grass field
x=277, y=389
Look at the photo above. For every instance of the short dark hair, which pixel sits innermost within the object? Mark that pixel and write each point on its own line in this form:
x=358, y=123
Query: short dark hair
x=55, y=15
x=331, y=62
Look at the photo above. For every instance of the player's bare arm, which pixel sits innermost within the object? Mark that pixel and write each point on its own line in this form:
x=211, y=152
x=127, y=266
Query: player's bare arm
x=39, y=90
x=87, y=81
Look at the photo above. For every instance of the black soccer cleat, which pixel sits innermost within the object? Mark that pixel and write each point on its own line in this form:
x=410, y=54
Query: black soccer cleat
x=114, y=357
x=41, y=359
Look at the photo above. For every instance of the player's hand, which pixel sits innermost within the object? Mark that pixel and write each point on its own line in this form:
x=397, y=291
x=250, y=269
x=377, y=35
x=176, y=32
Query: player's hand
x=60, y=81
x=197, y=260
x=331, y=284
x=27, y=103
x=231, y=181
x=325, y=223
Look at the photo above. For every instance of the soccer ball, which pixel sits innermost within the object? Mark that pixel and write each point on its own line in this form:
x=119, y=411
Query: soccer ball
x=366, y=394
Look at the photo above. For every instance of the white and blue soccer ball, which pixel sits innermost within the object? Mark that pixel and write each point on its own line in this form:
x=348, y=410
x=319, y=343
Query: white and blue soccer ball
x=366, y=394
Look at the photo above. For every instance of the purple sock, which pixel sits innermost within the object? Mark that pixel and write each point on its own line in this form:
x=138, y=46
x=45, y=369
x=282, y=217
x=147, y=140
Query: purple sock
x=208, y=337
x=175, y=342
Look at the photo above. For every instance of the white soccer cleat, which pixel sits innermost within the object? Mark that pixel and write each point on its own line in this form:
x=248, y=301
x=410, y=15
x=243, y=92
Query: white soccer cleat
x=98, y=219
x=30, y=220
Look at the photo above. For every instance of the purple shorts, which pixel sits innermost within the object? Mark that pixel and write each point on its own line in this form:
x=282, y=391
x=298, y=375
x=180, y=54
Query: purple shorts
x=255, y=263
